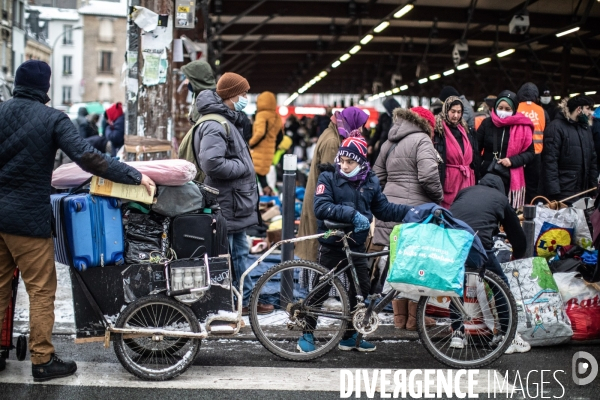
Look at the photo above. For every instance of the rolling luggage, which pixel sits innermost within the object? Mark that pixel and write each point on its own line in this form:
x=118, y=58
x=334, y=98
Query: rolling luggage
x=192, y=235
x=93, y=229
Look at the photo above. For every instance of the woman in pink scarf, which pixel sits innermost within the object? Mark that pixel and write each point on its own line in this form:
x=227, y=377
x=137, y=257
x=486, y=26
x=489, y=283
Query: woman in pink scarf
x=457, y=149
x=513, y=134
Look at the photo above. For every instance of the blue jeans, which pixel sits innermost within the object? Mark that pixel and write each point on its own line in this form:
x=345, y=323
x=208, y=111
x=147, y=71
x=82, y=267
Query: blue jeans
x=239, y=250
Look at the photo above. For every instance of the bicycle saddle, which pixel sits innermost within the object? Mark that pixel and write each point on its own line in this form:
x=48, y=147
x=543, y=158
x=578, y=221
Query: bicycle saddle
x=337, y=225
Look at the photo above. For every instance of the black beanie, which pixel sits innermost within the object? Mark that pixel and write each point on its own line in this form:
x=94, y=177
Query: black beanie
x=448, y=91
x=510, y=98
x=34, y=74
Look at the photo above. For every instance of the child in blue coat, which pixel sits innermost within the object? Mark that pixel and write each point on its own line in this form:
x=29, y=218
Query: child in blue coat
x=348, y=192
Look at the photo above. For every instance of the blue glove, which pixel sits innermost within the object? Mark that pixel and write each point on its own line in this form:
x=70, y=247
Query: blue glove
x=361, y=223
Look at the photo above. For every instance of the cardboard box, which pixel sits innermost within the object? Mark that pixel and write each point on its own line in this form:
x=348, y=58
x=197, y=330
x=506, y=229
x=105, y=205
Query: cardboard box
x=104, y=187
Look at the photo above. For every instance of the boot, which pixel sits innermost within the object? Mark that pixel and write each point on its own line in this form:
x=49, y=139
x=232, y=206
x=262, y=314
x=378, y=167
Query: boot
x=411, y=324
x=400, y=307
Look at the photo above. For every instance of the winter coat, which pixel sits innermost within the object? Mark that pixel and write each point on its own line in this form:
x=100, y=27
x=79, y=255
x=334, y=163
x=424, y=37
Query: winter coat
x=325, y=152
x=226, y=161
x=484, y=216
x=267, y=126
x=30, y=134
x=407, y=167
x=596, y=135
x=338, y=199
x=83, y=125
x=439, y=143
x=485, y=142
x=116, y=133
x=569, y=162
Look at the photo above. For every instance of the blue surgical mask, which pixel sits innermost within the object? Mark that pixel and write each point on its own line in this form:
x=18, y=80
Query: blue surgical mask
x=352, y=174
x=241, y=103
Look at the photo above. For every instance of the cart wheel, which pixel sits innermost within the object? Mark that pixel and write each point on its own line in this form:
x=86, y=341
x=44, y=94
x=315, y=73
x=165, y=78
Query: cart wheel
x=21, y=347
x=156, y=358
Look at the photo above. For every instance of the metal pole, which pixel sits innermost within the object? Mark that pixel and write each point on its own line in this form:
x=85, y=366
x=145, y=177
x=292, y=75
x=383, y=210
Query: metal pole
x=290, y=164
x=529, y=228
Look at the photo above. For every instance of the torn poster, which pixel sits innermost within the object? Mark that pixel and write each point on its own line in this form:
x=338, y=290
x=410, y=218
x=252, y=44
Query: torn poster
x=150, y=73
x=144, y=18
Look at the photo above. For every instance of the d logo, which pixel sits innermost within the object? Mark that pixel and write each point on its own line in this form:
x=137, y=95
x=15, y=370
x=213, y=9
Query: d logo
x=581, y=367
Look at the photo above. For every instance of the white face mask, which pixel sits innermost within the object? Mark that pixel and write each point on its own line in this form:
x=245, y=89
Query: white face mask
x=545, y=99
x=503, y=114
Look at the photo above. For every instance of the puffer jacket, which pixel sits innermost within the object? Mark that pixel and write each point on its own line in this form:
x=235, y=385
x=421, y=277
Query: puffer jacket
x=568, y=160
x=267, y=126
x=226, y=161
x=30, y=134
x=407, y=167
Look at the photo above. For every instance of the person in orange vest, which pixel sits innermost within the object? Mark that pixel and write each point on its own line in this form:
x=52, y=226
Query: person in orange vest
x=528, y=96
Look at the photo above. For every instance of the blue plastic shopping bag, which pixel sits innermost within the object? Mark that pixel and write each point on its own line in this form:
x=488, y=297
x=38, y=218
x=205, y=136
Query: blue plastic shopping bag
x=428, y=260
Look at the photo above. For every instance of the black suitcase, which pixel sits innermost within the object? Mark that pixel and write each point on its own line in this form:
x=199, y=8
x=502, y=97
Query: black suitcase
x=193, y=235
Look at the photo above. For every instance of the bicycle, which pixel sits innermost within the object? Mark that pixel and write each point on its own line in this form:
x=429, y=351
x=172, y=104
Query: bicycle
x=299, y=280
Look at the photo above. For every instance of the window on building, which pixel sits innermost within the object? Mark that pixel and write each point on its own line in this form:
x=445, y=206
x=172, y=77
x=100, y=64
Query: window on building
x=5, y=10
x=104, y=92
x=106, y=34
x=66, y=95
x=67, y=64
x=67, y=34
x=105, y=61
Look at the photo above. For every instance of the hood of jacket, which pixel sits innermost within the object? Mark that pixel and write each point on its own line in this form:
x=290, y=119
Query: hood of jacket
x=209, y=102
x=200, y=75
x=492, y=181
x=406, y=123
x=82, y=112
x=266, y=102
x=390, y=105
x=528, y=92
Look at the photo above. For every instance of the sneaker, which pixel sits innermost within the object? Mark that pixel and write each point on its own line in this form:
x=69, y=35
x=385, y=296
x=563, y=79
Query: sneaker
x=332, y=304
x=518, y=345
x=350, y=344
x=306, y=343
x=55, y=368
x=458, y=340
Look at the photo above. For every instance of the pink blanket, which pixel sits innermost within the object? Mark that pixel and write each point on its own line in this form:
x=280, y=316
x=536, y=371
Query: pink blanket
x=163, y=172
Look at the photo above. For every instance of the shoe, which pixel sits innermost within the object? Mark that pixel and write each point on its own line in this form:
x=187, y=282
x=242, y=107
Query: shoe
x=332, y=304
x=458, y=340
x=350, y=344
x=400, y=307
x=261, y=309
x=306, y=343
x=55, y=368
x=518, y=345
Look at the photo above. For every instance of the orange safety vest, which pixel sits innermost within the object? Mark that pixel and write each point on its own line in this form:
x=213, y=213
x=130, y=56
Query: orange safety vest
x=536, y=114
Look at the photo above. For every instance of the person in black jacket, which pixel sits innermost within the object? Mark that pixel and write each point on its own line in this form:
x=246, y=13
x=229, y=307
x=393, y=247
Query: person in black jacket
x=569, y=161
x=483, y=217
x=348, y=192
x=596, y=134
x=384, y=124
x=548, y=103
x=83, y=124
x=30, y=134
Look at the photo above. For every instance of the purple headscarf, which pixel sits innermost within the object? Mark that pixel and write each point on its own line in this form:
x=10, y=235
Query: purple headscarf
x=350, y=121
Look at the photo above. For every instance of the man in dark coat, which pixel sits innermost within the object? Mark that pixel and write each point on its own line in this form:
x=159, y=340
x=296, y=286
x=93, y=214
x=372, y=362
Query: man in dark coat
x=547, y=102
x=569, y=162
x=30, y=134
x=384, y=124
x=83, y=125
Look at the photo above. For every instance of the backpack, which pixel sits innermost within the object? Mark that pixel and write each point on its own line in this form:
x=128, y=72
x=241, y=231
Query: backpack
x=187, y=148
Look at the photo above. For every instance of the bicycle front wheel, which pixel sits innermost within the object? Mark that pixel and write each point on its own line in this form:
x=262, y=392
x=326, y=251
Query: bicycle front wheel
x=286, y=286
x=480, y=336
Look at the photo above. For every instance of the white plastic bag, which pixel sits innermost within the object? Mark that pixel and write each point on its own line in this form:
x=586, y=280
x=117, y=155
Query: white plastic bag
x=582, y=304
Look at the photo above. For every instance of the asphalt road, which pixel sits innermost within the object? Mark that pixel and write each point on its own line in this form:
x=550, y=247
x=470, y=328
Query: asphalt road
x=243, y=369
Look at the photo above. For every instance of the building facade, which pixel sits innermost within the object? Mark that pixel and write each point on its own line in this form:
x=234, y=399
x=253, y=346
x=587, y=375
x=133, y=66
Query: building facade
x=104, y=35
x=19, y=34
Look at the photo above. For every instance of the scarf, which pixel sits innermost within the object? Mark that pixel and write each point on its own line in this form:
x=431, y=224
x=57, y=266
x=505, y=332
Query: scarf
x=521, y=137
x=459, y=174
x=349, y=121
x=442, y=117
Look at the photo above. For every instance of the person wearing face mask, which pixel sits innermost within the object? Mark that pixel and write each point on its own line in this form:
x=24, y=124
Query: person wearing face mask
x=225, y=159
x=506, y=138
x=569, y=161
x=457, y=148
x=347, y=192
x=548, y=103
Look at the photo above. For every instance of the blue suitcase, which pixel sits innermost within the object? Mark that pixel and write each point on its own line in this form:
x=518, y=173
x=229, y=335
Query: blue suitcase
x=93, y=228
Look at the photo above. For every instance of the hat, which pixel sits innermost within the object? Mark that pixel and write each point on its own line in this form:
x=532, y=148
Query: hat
x=231, y=85
x=528, y=92
x=354, y=148
x=509, y=97
x=579, y=101
x=34, y=74
x=426, y=114
x=200, y=75
x=448, y=91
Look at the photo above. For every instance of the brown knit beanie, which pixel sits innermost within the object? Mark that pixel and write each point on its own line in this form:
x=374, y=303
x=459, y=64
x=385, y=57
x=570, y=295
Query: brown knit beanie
x=231, y=85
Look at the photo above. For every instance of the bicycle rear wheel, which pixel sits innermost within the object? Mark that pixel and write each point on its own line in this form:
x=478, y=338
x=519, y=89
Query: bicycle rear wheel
x=286, y=286
x=488, y=332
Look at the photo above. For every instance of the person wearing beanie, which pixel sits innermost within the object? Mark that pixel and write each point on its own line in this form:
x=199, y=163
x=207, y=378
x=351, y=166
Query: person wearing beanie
x=506, y=138
x=407, y=168
x=198, y=77
x=30, y=134
x=224, y=157
x=457, y=149
x=547, y=102
x=569, y=160
x=468, y=112
x=343, y=124
x=349, y=192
